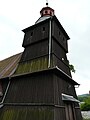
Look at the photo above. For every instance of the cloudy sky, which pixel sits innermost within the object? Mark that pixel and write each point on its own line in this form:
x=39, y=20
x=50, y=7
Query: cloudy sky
x=74, y=15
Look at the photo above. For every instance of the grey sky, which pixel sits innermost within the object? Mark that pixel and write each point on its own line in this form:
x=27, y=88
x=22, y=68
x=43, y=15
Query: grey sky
x=74, y=15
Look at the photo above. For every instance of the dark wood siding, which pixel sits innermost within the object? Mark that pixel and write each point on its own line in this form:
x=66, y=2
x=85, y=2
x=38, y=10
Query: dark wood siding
x=63, y=65
x=58, y=35
x=78, y=114
x=31, y=89
x=35, y=50
x=35, y=113
x=36, y=34
x=62, y=86
x=35, y=90
x=33, y=65
x=59, y=113
x=27, y=113
x=58, y=50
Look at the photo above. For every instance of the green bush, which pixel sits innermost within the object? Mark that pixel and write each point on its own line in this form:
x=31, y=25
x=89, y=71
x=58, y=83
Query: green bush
x=85, y=107
x=82, y=98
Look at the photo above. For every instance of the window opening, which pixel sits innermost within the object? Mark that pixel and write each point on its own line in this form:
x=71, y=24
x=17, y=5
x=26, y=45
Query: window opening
x=59, y=33
x=46, y=12
x=63, y=39
x=31, y=34
x=43, y=29
x=50, y=13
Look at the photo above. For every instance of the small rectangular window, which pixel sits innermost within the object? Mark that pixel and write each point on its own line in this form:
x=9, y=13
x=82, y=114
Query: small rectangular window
x=63, y=39
x=59, y=33
x=43, y=29
x=31, y=34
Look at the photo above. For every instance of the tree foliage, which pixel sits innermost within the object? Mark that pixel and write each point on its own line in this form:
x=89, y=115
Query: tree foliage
x=82, y=98
x=72, y=69
x=86, y=105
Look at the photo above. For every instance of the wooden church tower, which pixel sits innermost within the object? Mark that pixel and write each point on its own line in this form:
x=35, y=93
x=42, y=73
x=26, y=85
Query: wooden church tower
x=41, y=87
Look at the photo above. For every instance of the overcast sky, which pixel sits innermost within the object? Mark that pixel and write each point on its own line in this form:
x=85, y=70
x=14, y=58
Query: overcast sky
x=74, y=15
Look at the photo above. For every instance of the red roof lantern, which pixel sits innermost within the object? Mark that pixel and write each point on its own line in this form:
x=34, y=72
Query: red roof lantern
x=47, y=11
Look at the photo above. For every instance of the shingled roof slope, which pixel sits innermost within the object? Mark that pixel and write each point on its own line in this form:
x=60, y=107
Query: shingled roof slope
x=8, y=65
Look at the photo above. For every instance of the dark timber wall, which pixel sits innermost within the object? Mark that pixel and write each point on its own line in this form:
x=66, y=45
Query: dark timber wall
x=45, y=87
x=36, y=33
x=59, y=35
x=11, y=112
x=35, y=90
x=38, y=96
x=36, y=54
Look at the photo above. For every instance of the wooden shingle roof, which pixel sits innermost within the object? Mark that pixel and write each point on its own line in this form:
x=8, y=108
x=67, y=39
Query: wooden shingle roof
x=9, y=65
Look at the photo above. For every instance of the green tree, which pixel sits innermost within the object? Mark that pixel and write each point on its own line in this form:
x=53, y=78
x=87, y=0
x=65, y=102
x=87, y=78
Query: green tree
x=82, y=98
x=72, y=69
x=86, y=105
x=87, y=100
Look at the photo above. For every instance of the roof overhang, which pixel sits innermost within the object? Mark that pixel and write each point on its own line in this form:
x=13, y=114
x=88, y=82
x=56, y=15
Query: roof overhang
x=66, y=76
x=69, y=98
x=54, y=69
x=43, y=19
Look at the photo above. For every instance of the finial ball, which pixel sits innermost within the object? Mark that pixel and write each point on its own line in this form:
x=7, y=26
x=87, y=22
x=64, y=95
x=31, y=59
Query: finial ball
x=47, y=4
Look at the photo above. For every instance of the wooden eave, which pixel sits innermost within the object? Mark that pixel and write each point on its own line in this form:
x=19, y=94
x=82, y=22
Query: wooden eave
x=35, y=25
x=51, y=18
x=52, y=70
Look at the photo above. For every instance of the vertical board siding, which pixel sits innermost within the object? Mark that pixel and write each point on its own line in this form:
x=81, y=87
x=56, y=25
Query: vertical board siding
x=59, y=36
x=58, y=50
x=33, y=65
x=38, y=94
x=78, y=114
x=34, y=51
x=59, y=114
x=36, y=33
x=27, y=113
x=35, y=113
x=61, y=65
x=62, y=86
x=32, y=89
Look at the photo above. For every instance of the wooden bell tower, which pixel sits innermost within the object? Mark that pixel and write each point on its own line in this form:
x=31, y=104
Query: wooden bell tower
x=42, y=87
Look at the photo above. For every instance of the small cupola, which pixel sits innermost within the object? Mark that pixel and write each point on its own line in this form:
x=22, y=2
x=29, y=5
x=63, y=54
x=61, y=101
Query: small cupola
x=47, y=11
